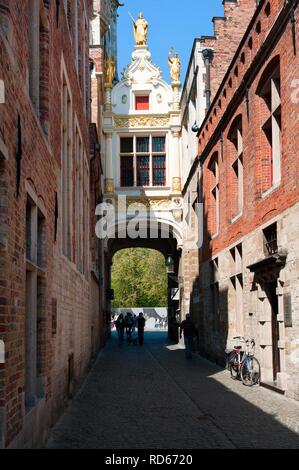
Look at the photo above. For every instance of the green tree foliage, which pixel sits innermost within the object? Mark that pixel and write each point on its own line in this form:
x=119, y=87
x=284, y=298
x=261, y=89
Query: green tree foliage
x=139, y=278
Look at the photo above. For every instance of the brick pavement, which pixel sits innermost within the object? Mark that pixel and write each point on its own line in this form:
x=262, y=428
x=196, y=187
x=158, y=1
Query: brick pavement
x=152, y=398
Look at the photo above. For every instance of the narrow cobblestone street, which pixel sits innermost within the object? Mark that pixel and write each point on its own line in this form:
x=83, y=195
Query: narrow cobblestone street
x=152, y=398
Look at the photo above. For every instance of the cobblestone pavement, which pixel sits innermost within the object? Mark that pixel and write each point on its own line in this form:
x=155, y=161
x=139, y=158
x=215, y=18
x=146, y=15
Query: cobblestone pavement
x=151, y=397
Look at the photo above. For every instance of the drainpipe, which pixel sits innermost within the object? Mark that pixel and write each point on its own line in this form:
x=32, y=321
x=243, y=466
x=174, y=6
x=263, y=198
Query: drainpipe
x=208, y=56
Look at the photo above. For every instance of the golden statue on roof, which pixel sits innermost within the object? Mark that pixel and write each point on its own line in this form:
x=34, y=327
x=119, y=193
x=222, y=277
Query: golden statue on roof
x=140, y=30
x=110, y=68
x=175, y=66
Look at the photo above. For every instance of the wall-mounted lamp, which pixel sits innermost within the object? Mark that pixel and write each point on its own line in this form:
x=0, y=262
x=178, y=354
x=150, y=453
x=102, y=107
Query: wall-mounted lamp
x=169, y=265
x=195, y=127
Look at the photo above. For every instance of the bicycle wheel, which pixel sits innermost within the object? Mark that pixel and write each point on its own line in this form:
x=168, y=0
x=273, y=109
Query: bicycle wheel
x=251, y=372
x=234, y=368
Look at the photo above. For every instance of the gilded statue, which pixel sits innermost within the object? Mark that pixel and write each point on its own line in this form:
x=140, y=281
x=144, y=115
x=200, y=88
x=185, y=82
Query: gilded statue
x=110, y=67
x=140, y=30
x=175, y=67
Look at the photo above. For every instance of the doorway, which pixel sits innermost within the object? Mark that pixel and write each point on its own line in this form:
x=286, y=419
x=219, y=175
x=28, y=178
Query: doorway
x=271, y=290
x=140, y=284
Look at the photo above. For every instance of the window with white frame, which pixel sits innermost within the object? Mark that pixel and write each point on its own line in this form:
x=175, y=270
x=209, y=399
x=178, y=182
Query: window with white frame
x=143, y=161
x=67, y=157
x=38, y=60
x=213, y=196
x=34, y=302
x=270, y=148
x=82, y=204
x=235, y=141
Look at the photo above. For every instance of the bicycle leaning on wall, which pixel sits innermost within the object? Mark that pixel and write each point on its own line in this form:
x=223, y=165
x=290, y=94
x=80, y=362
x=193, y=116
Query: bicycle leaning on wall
x=241, y=362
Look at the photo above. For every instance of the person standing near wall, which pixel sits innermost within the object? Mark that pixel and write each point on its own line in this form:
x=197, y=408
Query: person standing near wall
x=187, y=326
x=141, y=326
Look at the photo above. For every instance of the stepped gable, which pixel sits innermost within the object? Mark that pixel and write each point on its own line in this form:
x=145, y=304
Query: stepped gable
x=228, y=32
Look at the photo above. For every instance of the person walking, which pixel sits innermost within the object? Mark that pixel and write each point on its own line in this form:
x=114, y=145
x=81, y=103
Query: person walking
x=128, y=326
x=141, y=326
x=188, y=328
x=120, y=327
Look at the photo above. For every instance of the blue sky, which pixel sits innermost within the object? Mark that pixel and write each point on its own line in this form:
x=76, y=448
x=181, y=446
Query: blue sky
x=173, y=23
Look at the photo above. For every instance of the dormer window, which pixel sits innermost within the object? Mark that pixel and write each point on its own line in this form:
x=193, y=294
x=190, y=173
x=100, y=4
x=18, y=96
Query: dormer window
x=142, y=103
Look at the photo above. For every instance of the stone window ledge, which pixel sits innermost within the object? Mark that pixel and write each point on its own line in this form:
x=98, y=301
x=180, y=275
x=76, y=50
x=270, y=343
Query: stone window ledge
x=236, y=217
x=270, y=191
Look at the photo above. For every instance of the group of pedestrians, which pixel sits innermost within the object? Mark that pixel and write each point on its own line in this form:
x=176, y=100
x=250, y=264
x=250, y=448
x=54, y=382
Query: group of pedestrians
x=160, y=324
x=132, y=326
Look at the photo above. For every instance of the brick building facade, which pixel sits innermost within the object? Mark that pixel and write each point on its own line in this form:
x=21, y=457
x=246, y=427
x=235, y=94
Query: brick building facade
x=246, y=175
x=51, y=324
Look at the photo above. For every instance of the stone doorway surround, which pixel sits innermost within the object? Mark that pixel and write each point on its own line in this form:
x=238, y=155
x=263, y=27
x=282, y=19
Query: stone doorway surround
x=266, y=272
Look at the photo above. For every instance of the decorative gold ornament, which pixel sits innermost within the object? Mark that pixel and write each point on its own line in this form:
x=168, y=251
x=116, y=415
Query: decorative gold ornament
x=140, y=30
x=175, y=67
x=176, y=135
x=177, y=185
x=109, y=186
x=163, y=204
x=141, y=121
x=110, y=68
x=154, y=204
x=137, y=202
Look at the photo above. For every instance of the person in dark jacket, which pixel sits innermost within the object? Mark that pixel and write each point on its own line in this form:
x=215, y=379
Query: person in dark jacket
x=120, y=327
x=128, y=326
x=141, y=326
x=187, y=326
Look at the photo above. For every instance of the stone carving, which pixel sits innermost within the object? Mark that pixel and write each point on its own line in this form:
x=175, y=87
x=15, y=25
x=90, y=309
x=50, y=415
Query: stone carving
x=141, y=121
x=176, y=185
x=154, y=204
x=164, y=204
x=109, y=186
x=178, y=215
x=138, y=202
x=177, y=203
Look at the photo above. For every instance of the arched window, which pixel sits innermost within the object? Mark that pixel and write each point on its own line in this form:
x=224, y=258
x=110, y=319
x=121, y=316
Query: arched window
x=269, y=148
x=39, y=60
x=213, y=195
x=235, y=170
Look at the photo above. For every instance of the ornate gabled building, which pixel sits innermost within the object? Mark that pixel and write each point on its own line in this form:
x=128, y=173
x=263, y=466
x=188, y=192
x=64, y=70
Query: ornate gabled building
x=141, y=123
x=142, y=126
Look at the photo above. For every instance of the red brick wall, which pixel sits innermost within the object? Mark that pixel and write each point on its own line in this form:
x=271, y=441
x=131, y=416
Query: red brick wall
x=239, y=95
x=257, y=209
x=40, y=166
x=228, y=32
